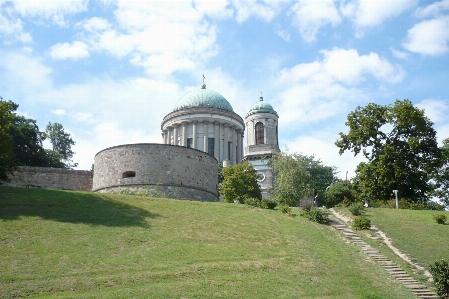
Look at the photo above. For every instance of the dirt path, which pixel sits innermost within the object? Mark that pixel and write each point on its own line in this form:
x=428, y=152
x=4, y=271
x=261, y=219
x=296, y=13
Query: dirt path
x=386, y=240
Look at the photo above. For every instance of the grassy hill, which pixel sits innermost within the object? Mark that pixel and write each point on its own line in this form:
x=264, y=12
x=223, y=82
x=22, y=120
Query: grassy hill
x=61, y=244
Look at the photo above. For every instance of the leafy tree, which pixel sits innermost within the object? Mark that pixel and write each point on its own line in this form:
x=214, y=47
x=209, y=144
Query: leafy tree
x=239, y=183
x=297, y=175
x=6, y=142
x=339, y=191
x=441, y=177
x=401, y=148
x=61, y=143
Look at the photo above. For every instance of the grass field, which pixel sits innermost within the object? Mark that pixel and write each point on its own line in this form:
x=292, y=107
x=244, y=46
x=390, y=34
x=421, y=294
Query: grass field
x=61, y=244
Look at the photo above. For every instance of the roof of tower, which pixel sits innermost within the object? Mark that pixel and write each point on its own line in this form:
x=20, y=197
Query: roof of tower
x=203, y=98
x=261, y=107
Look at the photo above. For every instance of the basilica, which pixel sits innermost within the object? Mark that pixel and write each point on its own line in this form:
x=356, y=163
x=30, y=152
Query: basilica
x=204, y=120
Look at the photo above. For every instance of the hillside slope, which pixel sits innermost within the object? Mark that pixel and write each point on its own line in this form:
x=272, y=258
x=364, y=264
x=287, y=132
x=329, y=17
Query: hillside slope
x=57, y=244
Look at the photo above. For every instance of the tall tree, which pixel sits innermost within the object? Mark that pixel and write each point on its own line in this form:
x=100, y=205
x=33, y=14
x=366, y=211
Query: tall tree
x=7, y=109
x=239, y=182
x=400, y=145
x=61, y=143
x=297, y=175
x=441, y=178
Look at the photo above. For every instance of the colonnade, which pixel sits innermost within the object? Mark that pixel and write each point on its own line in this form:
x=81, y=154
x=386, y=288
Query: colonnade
x=226, y=137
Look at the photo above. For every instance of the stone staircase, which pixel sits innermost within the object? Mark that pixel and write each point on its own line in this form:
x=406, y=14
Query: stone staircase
x=415, y=286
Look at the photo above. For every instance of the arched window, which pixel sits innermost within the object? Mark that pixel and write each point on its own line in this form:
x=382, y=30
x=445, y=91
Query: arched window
x=128, y=174
x=259, y=130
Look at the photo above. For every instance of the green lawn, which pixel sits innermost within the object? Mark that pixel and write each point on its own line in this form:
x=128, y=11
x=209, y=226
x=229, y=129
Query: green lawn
x=60, y=244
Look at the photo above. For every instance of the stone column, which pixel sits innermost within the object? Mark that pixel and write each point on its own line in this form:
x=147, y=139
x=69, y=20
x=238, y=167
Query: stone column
x=194, y=135
x=163, y=136
x=217, y=140
x=175, y=135
x=225, y=143
x=167, y=136
x=239, y=144
x=205, y=129
x=265, y=132
x=184, y=135
x=233, y=146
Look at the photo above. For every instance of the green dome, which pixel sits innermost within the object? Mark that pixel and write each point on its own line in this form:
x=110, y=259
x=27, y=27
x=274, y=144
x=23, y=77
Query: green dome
x=261, y=107
x=203, y=98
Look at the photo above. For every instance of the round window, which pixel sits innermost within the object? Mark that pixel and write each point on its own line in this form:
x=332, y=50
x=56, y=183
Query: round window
x=260, y=177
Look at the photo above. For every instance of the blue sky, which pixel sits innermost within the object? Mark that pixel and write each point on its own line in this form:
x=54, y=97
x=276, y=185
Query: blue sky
x=109, y=71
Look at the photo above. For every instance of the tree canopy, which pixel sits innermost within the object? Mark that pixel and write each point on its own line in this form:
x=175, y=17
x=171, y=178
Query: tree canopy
x=441, y=177
x=297, y=175
x=61, y=144
x=400, y=145
x=239, y=183
x=6, y=142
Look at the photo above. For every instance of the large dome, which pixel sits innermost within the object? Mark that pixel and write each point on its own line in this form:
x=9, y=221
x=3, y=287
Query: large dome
x=203, y=98
x=261, y=107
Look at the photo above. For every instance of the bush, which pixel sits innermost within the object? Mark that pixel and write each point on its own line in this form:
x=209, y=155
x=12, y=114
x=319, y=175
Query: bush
x=306, y=203
x=440, y=218
x=285, y=209
x=317, y=215
x=267, y=203
x=339, y=192
x=251, y=201
x=361, y=223
x=440, y=274
x=434, y=206
x=357, y=208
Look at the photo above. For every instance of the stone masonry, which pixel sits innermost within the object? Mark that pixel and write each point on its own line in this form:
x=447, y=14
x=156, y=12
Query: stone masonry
x=175, y=171
x=51, y=178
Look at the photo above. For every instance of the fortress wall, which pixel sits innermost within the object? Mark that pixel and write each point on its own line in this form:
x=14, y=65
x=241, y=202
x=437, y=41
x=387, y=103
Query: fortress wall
x=51, y=178
x=175, y=171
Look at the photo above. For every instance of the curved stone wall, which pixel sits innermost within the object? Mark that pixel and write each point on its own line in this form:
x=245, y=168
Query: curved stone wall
x=175, y=171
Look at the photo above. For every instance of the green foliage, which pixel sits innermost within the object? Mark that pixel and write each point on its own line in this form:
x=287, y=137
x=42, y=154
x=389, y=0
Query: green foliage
x=440, y=218
x=6, y=140
x=267, y=203
x=240, y=183
x=361, y=223
x=285, y=209
x=251, y=201
x=440, y=274
x=357, y=209
x=306, y=203
x=339, y=191
x=317, y=215
x=61, y=144
x=401, y=147
x=297, y=175
x=441, y=176
x=404, y=204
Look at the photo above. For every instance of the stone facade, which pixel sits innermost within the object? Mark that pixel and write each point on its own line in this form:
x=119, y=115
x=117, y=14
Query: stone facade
x=51, y=178
x=174, y=171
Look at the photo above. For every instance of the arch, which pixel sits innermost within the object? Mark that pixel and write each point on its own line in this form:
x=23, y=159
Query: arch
x=259, y=130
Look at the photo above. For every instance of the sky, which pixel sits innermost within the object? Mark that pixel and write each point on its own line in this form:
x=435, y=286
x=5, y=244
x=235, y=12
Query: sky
x=109, y=71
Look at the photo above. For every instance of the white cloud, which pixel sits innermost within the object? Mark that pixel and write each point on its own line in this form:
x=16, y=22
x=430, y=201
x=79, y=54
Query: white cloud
x=310, y=15
x=12, y=30
x=247, y=8
x=49, y=9
x=435, y=110
x=74, y=51
x=399, y=54
x=217, y=8
x=434, y=9
x=94, y=24
x=284, y=34
x=429, y=37
x=58, y=111
x=371, y=13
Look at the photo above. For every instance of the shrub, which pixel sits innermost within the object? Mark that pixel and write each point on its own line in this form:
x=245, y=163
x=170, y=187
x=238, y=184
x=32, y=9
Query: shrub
x=338, y=193
x=317, y=215
x=285, y=209
x=361, y=223
x=251, y=201
x=267, y=203
x=306, y=203
x=357, y=208
x=431, y=205
x=440, y=274
x=440, y=218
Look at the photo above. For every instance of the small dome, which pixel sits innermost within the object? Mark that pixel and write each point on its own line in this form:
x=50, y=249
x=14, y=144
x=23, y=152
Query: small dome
x=203, y=98
x=261, y=107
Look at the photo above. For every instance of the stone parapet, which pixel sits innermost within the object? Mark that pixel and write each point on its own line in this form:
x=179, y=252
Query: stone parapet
x=51, y=178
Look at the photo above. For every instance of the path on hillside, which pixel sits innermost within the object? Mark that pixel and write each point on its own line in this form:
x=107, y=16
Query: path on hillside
x=339, y=223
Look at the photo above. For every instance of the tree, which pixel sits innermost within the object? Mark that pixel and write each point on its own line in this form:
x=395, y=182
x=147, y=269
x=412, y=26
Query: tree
x=441, y=177
x=240, y=183
x=297, y=175
x=61, y=144
x=400, y=145
x=6, y=142
x=338, y=192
